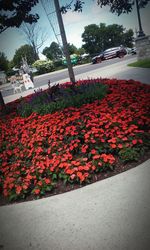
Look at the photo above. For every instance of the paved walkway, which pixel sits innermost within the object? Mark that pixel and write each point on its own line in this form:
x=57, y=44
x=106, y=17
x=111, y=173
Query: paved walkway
x=112, y=214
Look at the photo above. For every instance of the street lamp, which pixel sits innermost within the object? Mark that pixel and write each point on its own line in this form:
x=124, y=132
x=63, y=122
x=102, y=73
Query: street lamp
x=141, y=33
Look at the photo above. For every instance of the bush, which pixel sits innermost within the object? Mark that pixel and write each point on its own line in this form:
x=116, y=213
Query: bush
x=129, y=154
x=86, y=59
x=43, y=66
x=43, y=102
x=58, y=63
x=10, y=72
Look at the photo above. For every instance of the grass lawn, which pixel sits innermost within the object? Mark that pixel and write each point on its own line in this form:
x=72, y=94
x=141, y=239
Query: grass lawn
x=141, y=63
x=101, y=129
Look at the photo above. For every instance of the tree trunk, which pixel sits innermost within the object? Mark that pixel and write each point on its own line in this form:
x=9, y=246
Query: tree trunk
x=36, y=56
x=2, y=103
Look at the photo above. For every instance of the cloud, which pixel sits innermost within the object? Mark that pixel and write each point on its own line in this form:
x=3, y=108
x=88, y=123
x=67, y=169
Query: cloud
x=96, y=10
x=73, y=18
x=42, y=57
x=75, y=38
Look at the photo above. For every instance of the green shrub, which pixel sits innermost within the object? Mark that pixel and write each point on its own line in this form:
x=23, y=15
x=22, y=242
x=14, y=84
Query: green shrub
x=43, y=66
x=129, y=154
x=58, y=63
x=42, y=103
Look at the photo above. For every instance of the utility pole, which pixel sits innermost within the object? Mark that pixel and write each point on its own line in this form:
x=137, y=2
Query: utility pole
x=64, y=41
x=141, y=33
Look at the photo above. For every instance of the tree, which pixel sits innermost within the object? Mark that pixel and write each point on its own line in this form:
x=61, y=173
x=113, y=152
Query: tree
x=128, y=38
x=118, y=7
x=121, y=6
x=34, y=36
x=97, y=38
x=117, y=35
x=91, y=38
x=14, y=12
x=72, y=49
x=3, y=62
x=24, y=51
x=81, y=51
x=53, y=52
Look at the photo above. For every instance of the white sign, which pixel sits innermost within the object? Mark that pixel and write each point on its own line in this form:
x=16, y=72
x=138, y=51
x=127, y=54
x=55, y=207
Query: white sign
x=27, y=81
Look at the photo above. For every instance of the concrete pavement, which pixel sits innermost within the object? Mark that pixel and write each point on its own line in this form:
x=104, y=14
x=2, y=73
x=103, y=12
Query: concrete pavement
x=121, y=71
x=112, y=214
x=118, y=70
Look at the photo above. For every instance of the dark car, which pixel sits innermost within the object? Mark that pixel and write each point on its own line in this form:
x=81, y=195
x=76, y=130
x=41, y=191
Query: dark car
x=110, y=53
x=133, y=51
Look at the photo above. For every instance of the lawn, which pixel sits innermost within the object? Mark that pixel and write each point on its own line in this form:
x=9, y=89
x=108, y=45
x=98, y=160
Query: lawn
x=141, y=63
x=72, y=145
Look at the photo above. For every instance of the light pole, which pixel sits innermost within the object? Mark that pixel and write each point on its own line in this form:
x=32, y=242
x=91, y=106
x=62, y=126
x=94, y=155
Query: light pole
x=140, y=33
x=64, y=40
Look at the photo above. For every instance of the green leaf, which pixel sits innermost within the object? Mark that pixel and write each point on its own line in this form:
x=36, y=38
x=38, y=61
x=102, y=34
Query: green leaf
x=54, y=176
x=48, y=188
x=12, y=197
x=65, y=181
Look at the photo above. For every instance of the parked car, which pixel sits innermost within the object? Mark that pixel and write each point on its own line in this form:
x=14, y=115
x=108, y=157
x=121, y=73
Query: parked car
x=128, y=50
x=110, y=53
x=133, y=51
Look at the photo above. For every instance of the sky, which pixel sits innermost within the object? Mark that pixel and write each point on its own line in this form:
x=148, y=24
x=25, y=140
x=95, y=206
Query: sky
x=74, y=24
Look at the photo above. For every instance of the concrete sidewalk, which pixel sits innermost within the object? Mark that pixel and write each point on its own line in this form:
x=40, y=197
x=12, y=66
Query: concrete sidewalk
x=119, y=71
x=112, y=214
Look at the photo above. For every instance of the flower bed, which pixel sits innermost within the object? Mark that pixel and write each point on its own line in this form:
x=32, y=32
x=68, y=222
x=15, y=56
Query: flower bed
x=74, y=144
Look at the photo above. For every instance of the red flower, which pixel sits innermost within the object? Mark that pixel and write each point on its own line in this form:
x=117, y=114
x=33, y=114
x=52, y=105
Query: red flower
x=40, y=183
x=120, y=145
x=37, y=191
x=113, y=145
x=93, y=141
x=84, y=148
x=134, y=142
x=95, y=157
x=93, y=151
x=140, y=141
x=72, y=176
x=79, y=174
x=113, y=140
x=25, y=186
x=18, y=189
x=47, y=181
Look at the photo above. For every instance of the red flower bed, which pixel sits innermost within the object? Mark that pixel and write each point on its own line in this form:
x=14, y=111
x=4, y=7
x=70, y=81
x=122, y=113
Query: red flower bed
x=75, y=143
